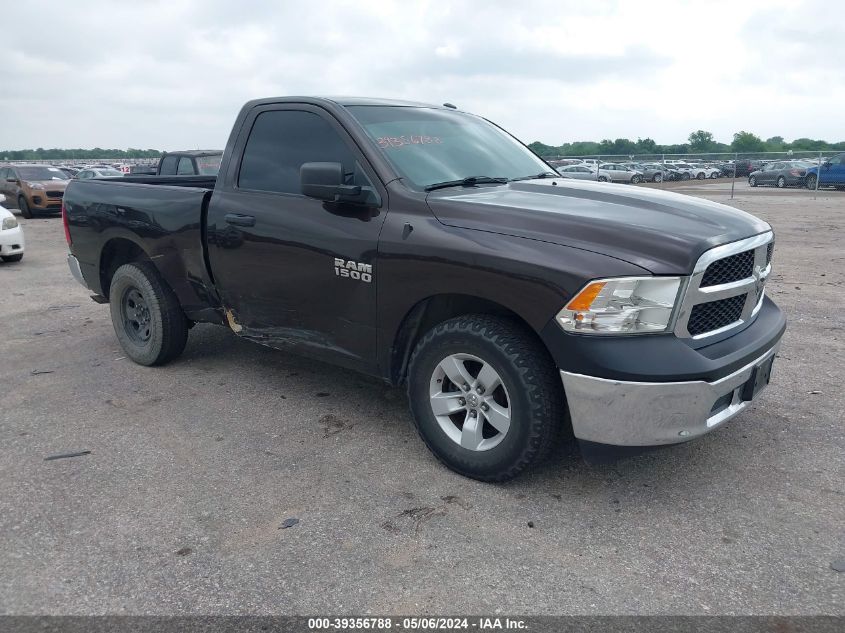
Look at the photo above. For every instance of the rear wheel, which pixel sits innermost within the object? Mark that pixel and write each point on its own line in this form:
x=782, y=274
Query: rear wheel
x=147, y=318
x=23, y=206
x=685, y=176
x=752, y=180
x=701, y=175
x=602, y=178
x=781, y=182
x=12, y=258
x=485, y=397
x=811, y=181
x=658, y=177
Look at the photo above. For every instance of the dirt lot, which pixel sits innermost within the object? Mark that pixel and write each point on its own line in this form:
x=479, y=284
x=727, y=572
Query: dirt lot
x=194, y=467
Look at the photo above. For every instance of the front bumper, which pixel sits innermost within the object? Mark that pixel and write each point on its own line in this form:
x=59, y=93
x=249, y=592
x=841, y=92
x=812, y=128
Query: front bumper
x=623, y=413
x=45, y=200
x=11, y=242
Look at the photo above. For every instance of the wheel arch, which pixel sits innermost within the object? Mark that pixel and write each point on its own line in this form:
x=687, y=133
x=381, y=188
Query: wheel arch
x=433, y=310
x=116, y=252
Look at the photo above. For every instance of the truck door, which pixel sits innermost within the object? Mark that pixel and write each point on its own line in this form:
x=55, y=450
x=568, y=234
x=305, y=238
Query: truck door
x=292, y=271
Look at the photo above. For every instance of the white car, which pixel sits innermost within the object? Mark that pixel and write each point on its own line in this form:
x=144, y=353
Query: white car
x=11, y=235
x=698, y=171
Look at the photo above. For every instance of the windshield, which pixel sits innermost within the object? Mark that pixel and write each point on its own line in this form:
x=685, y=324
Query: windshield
x=209, y=165
x=41, y=173
x=427, y=146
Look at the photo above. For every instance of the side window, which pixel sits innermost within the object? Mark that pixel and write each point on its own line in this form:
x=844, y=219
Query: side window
x=168, y=165
x=186, y=167
x=837, y=160
x=4, y=173
x=281, y=141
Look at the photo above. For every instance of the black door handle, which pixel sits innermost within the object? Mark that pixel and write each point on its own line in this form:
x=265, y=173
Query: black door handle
x=240, y=220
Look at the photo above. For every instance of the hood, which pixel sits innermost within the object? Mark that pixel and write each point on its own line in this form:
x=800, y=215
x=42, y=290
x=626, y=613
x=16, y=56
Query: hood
x=662, y=232
x=49, y=184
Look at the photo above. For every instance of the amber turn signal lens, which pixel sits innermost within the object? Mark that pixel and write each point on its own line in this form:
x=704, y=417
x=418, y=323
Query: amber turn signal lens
x=584, y=299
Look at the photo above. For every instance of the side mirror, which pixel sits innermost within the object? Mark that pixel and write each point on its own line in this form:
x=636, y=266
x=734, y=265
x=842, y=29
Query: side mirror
x=324, y=181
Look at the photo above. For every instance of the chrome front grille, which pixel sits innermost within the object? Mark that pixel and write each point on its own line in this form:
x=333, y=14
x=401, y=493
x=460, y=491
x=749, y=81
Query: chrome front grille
x=726, y=288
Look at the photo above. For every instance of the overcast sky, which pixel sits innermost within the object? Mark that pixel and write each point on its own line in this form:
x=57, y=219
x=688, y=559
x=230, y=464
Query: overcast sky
x=173, y=74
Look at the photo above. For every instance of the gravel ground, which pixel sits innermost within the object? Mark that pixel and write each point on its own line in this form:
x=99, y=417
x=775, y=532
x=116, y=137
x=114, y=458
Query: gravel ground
x=195, y=467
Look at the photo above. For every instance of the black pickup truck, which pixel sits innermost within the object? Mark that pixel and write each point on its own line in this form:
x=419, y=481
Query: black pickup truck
x=428, y=247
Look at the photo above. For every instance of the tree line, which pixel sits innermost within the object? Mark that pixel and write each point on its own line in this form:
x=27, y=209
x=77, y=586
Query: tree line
x=69, y=154
x=698, y=142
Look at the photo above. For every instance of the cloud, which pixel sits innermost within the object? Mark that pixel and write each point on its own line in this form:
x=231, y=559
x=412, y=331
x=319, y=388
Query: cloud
x=174, y=74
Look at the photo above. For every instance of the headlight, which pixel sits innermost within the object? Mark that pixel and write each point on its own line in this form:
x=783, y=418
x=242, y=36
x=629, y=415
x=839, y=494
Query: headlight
x=36, y=185
x=9, y=223
x=625, y=305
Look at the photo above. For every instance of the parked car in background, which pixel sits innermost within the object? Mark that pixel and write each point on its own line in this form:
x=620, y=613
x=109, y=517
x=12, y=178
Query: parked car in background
x=11, y=235
x=70, y=172
x=585, y=172
x=33, y=188
x=654, y=172
x=780, y=174
x=832, y=173
x=201, y=162
x=619, y=173
x=99, y=173
x=698, y=172
x=743, y=167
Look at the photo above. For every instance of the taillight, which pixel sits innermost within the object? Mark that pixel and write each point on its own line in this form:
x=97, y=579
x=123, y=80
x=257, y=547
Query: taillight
x=67, y=228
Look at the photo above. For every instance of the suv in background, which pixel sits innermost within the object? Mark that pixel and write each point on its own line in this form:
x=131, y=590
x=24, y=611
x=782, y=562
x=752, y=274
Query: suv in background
x=832, y=173
x=200, y=162
x=33, y=187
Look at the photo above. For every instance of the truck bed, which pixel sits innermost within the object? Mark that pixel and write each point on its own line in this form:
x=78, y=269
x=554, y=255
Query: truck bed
x=161, y=215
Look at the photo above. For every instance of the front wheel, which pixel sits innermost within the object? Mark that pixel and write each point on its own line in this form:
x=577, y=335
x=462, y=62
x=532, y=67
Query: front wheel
x=146, y=315
x=811, y=181
x=658, y=177
x=485, y=397
x=685, y=176
x=636, y=179
x=752, y=180
x=701, y=175
x=602, y=178
x=781, y=182
x=23, y=207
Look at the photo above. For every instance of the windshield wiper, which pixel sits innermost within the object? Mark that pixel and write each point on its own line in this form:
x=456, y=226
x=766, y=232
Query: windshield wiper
x=466, y=182
x=545, y=174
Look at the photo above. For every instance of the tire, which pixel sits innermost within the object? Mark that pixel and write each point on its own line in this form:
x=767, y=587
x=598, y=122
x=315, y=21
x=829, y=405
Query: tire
x=715, y=175
x=146, y=315
x=12, y=258
x=636, y=179
x=602, y=178
x=752, y=181
x=781, y=182
x=476, y=348
x=811, y=181
x=700, y=175
x=23, y=207
x=685, y=176
x=658, y=177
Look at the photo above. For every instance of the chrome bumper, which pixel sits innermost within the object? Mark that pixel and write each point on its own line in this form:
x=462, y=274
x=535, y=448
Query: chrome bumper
x=625, y=413
x=75, y=270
